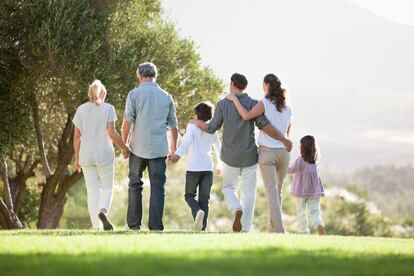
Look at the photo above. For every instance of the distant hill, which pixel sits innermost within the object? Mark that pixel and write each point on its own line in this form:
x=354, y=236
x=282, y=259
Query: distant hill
x=390, y=188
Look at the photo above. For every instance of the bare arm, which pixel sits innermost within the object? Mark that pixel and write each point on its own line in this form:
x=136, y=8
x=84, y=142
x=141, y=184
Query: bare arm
x=76, y=147
x=129, y=117
x=275, y=134
x=126, y=128
x=256, y=111
x=116, y=138
x=173, y=139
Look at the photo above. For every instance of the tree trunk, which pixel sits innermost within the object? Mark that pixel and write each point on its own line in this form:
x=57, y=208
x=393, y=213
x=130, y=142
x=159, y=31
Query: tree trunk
x=39, y=138
x=17, y=187
x=52, y=204
x=25, y=166
x=5, y=178
x=53, y=197
x=8, y=219
x=50, y=211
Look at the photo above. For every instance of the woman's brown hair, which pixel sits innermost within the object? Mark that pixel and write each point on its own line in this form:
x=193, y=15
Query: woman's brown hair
x=276, y=94
x=309, y=149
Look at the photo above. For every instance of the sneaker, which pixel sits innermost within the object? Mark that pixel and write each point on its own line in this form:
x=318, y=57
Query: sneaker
x=198, y=224
x=134, y=228
x=106, y=224
x=237, y=226
x=321, y=230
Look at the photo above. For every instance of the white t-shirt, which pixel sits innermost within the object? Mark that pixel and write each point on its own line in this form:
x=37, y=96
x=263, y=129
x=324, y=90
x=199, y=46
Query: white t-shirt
x=199, y=143
x=279, y=120
x=96, y=147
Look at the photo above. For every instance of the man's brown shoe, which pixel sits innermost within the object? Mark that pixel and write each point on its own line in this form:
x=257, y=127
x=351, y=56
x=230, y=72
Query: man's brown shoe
x=321, y=230
x=237, y=226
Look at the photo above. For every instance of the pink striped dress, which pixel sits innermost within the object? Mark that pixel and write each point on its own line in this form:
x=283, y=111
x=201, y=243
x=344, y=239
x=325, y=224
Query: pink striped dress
x=307, y=182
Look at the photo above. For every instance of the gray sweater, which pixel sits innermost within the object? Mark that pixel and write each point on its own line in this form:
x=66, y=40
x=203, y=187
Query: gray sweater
x=238, y=142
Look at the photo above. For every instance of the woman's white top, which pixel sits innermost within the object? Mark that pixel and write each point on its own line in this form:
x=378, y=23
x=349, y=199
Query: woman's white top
x=199, y=144
x=96, y=147
x=279, y=120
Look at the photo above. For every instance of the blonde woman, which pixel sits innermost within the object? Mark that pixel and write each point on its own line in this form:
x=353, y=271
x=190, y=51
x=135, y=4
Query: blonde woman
x=94, y=154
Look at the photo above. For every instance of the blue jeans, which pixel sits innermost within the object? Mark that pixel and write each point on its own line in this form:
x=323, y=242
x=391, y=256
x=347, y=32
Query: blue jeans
x=156, y=170
x=203, y=181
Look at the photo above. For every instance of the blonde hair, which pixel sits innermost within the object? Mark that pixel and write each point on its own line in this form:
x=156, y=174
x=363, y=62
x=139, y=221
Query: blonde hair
x=95, y=90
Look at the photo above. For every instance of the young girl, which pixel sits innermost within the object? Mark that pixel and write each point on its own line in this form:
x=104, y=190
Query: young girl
x=307, y=186
x=199, y=165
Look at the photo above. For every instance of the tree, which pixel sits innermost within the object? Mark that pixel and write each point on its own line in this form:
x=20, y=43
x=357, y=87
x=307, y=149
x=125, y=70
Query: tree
x=8, y=218
x=13, y=128
x=59, y=48
x=138, y=33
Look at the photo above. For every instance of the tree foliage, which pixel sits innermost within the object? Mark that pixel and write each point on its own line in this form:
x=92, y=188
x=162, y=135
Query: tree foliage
x=52, y=50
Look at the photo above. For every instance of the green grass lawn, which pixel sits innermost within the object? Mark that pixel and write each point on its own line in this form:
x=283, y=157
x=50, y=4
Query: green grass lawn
x=180, y=253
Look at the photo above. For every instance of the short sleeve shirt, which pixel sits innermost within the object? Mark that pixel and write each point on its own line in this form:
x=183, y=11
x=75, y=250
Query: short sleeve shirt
x=279, y=120
x=96, y=147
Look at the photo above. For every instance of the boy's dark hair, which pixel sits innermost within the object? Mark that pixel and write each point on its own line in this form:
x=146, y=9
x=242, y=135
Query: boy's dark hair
x=309, y=149
x=203, y=112
x=239, y=81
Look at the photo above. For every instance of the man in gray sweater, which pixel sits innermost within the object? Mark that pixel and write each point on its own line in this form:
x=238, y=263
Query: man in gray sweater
x=239, y=151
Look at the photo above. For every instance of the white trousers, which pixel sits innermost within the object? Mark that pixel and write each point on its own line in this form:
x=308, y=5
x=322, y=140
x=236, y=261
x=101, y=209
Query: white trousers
x=99, y=181
x=308, y=213
x=247, y=187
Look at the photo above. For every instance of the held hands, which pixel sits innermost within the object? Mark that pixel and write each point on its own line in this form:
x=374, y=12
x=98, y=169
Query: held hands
x=218, y=172
x=173, y=157
x=219, y=168
x=126, y=152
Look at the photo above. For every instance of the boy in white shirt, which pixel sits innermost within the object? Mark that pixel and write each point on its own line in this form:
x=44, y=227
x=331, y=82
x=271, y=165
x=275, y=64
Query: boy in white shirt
x=199, y=165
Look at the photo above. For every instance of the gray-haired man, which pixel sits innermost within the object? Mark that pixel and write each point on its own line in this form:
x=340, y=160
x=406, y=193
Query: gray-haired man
x=149, y=111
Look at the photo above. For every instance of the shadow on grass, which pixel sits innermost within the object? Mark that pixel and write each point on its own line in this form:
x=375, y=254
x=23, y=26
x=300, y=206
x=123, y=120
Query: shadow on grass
x=265, y=261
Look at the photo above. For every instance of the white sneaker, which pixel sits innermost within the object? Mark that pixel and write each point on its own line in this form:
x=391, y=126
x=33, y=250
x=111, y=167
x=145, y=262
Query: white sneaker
x=198, y=224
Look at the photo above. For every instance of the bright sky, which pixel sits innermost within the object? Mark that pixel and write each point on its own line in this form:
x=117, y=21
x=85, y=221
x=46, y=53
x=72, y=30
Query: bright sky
x=401, y=11
x=360, y=53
